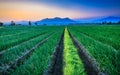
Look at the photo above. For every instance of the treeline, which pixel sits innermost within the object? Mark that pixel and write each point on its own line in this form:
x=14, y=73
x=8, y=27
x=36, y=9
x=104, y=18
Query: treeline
x=12, y=23
x=30, y=23
x=105, y=22
x=1, y=24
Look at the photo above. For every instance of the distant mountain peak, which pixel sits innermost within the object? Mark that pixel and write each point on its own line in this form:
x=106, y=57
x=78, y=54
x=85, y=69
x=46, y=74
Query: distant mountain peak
x=100, y=19
x=109, y=19
x=56, y=20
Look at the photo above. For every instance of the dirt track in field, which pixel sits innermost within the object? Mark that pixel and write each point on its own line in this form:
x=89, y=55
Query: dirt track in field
x=4, y=69
x=91, y=66
x=56, y=64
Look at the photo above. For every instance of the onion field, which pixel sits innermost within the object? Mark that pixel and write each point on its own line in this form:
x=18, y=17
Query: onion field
x=60, y=50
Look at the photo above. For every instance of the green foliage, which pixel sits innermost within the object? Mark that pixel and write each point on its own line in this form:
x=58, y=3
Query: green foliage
x=102, y=43
x=72, y=63
x=14, y=52
x=23, y=34
x=105, y=34
x=39, y=60
x=16, y=38
x=105, y=55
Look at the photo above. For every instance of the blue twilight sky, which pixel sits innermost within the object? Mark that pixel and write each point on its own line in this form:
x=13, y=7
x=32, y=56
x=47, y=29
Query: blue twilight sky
x=39, y=9
x=86, y=3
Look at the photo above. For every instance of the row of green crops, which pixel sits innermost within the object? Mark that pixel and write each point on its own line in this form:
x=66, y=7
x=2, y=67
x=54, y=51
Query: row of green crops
x=13, y=30
x=17, y=51
x=9, y=41
x=39, y=60
x=98, y=40
x=107, y=34
x=72, y=63
x=25, y=35
x=105, y=55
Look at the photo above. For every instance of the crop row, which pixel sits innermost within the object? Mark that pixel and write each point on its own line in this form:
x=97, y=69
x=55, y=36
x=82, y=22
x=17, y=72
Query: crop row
x=67, y=57
x=24, y=56
x=9, y=41
x=71, y=59
x=17, y=51
x=20, y=51
x=14, y=40
x=105, y=55
x=105, y=34
x=72, y=63
x=38, y=61
x=13, y=30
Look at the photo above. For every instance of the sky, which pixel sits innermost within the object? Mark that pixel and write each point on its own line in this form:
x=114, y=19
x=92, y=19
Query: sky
x=18, y=10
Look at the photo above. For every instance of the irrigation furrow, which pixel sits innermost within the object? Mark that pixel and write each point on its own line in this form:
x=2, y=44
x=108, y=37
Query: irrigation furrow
x=4, y=69
x=3, y=51
x=56, y=64
x=20, y=41
x=91, y=66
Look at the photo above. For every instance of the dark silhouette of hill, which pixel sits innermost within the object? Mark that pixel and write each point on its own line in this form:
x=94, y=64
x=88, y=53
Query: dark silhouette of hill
x=109, y=19
x=56, y=21
x=99, y=20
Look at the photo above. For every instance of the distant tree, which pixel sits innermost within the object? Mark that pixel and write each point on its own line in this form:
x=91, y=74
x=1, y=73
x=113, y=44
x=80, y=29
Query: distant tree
x=110, y=23
x=44, y=24
x=12, y=23
x=29, y=23
x=1, y=24
x=104, y=22
x=36, y=23
x=19, y=24
x=118, y=22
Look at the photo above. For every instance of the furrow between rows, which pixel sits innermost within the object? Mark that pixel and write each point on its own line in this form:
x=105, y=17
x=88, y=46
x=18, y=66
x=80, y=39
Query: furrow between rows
x=90, y=64
x=6, y=68
x=20, y=42
x=56, y=64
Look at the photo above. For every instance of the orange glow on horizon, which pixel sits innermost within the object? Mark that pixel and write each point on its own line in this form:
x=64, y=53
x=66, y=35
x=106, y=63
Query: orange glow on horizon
x=30, y=11
x=18, y=11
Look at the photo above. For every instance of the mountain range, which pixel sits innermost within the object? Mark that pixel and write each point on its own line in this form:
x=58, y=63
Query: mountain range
x=66, y=21
x=56, y=21
x=108, y=19
x=99, y=20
